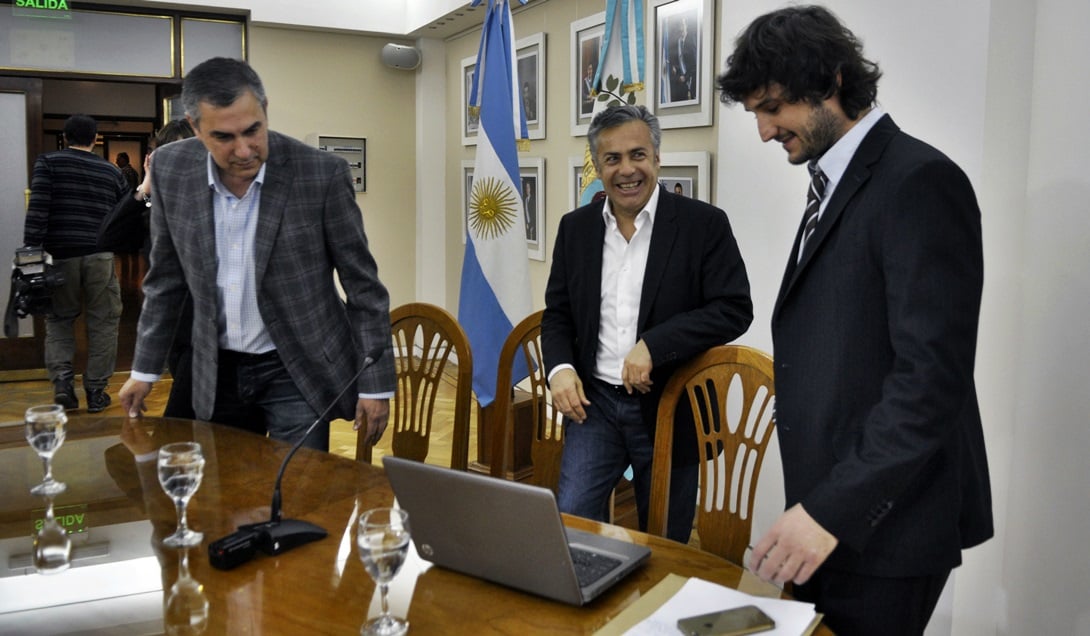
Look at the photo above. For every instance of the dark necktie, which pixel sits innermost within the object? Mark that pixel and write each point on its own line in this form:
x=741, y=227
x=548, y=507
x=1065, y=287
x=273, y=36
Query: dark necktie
x=813, y=204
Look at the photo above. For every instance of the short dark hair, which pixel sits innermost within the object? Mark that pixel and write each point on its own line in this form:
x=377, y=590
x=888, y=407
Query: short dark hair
x=173, y=130
x=219, y=81
x=807, y=50
x=80, y=130
x=122, y=159
x=615, y=116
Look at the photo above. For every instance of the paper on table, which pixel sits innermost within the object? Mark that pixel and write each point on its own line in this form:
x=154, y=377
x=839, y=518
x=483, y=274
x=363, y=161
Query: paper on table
x=698, y=596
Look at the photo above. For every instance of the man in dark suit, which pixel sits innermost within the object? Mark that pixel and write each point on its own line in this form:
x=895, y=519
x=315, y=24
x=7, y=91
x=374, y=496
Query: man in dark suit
x=641, y=282
x=874, y=334
x=252, y=225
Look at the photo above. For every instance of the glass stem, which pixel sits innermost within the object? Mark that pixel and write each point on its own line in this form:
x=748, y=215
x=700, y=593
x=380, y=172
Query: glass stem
x=385, y=603
x=179, y=504
x=47, y=466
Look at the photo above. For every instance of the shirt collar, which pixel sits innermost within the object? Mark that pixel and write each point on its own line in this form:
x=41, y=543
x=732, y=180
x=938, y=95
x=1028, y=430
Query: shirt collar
x=214, y=182
x=835, y=160
x=650, y=207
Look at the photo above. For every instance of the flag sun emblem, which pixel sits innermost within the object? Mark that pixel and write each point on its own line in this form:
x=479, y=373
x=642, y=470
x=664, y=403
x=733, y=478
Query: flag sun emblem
x=491, y=208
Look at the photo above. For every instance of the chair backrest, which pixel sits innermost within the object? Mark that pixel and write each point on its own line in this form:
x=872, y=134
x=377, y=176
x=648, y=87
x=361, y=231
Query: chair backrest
x=731, y=393
x=426, y=340
x=547, y=441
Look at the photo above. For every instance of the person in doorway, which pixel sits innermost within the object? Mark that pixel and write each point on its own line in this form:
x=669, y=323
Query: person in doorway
x=874, y=335
x=71, y=191
x=127, y=170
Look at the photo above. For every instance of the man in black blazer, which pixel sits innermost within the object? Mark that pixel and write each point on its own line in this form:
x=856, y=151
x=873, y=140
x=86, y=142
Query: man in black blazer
x=874, y=334
x=252, y=225
x=641, y=281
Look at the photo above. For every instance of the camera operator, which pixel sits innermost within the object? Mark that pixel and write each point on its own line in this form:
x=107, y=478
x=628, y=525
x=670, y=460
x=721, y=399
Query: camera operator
x=70, y=193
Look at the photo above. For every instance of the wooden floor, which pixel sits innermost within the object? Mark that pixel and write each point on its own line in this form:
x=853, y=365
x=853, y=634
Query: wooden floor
x=16, y=396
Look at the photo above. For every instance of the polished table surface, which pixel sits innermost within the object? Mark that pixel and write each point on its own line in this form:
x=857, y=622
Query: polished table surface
x=321, y=587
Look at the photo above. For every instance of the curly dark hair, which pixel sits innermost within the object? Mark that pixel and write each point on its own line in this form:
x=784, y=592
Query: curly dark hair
x=807, y=51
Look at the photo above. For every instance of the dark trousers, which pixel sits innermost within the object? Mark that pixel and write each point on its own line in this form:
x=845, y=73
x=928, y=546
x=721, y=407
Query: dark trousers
x=254, y=392
x=865, y=605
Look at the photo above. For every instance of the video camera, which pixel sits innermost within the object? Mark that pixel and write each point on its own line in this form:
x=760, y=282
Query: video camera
x=33, y=278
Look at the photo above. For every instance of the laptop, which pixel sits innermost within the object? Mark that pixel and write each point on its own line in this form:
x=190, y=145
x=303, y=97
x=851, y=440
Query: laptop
x=506, y=532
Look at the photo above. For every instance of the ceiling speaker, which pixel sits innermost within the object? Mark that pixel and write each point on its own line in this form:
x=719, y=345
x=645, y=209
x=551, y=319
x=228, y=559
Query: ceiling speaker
x=400, y=56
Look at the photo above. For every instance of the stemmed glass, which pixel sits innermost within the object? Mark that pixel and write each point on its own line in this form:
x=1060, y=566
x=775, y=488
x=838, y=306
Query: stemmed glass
x=181, y=466
x=185, y=610
x=383, y=540
x=52, y=546
x=45, y=430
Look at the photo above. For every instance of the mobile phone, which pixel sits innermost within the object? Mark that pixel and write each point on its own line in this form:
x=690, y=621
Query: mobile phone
x=747, y=619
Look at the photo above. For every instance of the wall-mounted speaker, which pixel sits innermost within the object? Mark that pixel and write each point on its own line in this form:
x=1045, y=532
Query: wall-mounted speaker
x=400, y=56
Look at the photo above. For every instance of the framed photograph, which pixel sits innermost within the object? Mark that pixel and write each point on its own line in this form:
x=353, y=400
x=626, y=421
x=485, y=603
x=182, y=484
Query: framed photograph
x=688, y=172
x=530, y=60
x=575, y=181
x=532, y=184
x=469, y=122
x=532, y=187
x=679, y=86
x=586, y=45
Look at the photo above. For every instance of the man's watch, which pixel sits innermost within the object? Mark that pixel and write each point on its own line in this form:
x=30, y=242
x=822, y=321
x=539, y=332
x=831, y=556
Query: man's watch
x=144, y=196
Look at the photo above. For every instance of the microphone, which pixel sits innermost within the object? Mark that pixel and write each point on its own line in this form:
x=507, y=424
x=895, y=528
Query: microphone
x=277, y=535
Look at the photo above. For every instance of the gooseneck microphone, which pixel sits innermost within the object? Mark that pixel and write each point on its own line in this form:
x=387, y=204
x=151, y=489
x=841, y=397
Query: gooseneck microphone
x=277, y=535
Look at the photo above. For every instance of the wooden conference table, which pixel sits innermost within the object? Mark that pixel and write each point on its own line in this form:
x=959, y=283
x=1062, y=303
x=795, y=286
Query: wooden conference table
x=321, y=587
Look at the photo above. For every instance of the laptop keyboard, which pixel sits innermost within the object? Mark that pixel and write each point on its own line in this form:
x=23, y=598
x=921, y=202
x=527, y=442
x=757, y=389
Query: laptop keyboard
x=591, y=566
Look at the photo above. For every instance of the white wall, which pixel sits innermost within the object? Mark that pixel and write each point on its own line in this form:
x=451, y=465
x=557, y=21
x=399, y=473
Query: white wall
x=1000, y=86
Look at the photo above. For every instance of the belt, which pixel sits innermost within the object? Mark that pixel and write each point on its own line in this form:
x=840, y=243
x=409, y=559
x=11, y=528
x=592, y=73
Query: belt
x=227, y=356
x=616, y=388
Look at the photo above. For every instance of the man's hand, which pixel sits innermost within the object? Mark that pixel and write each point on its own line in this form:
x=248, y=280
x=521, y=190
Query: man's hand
x=568, y=395
x=375, y=414
x=636, y=370
x=132, y=396
x=793, y=549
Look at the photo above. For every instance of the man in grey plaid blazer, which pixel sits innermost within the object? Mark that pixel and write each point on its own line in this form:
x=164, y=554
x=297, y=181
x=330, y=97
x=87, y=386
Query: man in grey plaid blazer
x=253, y=225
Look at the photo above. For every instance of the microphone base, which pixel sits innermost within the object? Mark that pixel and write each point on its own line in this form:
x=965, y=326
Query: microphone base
x=276, y=537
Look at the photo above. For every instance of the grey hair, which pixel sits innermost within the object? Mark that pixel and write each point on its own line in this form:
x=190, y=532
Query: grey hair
x=219, y=81
x=615, y=116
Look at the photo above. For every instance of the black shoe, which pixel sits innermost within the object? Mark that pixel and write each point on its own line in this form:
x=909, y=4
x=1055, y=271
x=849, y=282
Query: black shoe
x=65, y=395
x=97, y=400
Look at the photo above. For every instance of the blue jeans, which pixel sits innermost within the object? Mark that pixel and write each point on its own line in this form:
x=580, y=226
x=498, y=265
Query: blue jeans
x=256, y=393
x=597, y=452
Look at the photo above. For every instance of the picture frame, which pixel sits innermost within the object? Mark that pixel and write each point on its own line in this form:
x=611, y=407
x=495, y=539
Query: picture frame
x=532, y=176
x=690, y=170
x=679, y=38
x=469, y=123
x=575, y=181
x=530, y=61
x=587, y=36
x=532, y=186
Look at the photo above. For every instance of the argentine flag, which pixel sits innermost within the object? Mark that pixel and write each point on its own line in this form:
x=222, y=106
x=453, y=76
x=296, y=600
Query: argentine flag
x=495, y=292
x=619, y=76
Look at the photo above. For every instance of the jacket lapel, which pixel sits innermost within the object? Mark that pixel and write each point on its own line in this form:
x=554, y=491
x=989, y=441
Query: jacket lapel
x=856, y=175
x=274, y=196
x=663, y=235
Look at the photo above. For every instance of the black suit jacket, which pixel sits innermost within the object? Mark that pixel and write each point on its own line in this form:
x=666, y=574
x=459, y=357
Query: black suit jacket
x=874, y=335
x=695, y=294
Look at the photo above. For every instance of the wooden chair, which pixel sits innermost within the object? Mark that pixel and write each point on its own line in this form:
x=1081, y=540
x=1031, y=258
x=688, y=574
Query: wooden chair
x=547, y=440
x=426, y=339
x=731, y=393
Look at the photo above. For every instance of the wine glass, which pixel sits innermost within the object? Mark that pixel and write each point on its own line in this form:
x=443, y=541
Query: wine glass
x=185, y=610
x=383, y=540
x=45, y=429
x=181, y=466
x=52, y=546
